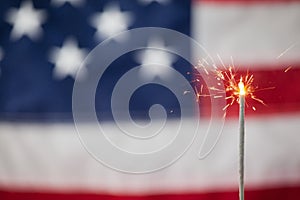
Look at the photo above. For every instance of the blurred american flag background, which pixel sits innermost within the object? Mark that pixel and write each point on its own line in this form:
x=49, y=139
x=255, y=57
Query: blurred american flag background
x=43, y=42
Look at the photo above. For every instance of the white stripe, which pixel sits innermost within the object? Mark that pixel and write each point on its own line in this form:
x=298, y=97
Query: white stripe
x=50, y=156
x=253, y=34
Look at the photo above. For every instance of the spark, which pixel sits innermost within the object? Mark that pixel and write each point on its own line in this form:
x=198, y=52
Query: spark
x=219, y=57
x=218, y=96
x=186, y=92
x=234, y=86
x=287, y=69
x=198, y=94
x=237, y=87
x=285, y=51
x=201, y=64
x=201, y=89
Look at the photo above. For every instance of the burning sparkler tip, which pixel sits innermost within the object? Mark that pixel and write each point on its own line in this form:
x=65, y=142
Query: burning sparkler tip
x=241, y=85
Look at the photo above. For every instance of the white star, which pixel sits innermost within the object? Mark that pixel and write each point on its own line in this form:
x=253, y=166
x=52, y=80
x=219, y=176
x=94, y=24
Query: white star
x=110, y=22
x=155, y=62
x=74, y=3
x=67, y=59
x=26, y=21
x=158, y=1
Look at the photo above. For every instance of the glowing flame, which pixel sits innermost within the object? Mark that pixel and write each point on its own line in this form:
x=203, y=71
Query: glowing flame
x=242, y=90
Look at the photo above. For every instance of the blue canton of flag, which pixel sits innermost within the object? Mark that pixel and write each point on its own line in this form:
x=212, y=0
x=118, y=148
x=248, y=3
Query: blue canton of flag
x=42, y=44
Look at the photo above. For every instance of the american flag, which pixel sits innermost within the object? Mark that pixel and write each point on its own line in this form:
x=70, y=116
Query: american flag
x=44, y=42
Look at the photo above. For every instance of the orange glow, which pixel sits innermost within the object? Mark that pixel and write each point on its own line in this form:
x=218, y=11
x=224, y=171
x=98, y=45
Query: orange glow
x=242, y=88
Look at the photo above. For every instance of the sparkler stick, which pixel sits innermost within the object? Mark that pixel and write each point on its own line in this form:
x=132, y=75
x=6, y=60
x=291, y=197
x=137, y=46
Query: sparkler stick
x=236, y=92
x=242, y=93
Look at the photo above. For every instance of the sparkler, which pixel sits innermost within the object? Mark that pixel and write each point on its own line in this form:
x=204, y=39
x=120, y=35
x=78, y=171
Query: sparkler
x=237, y=93
x=237, y=90
x=242, y=93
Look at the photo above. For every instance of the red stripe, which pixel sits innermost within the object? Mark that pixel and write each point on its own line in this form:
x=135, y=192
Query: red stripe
x=284, y=98
x=244, y=1
x=286, y=193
